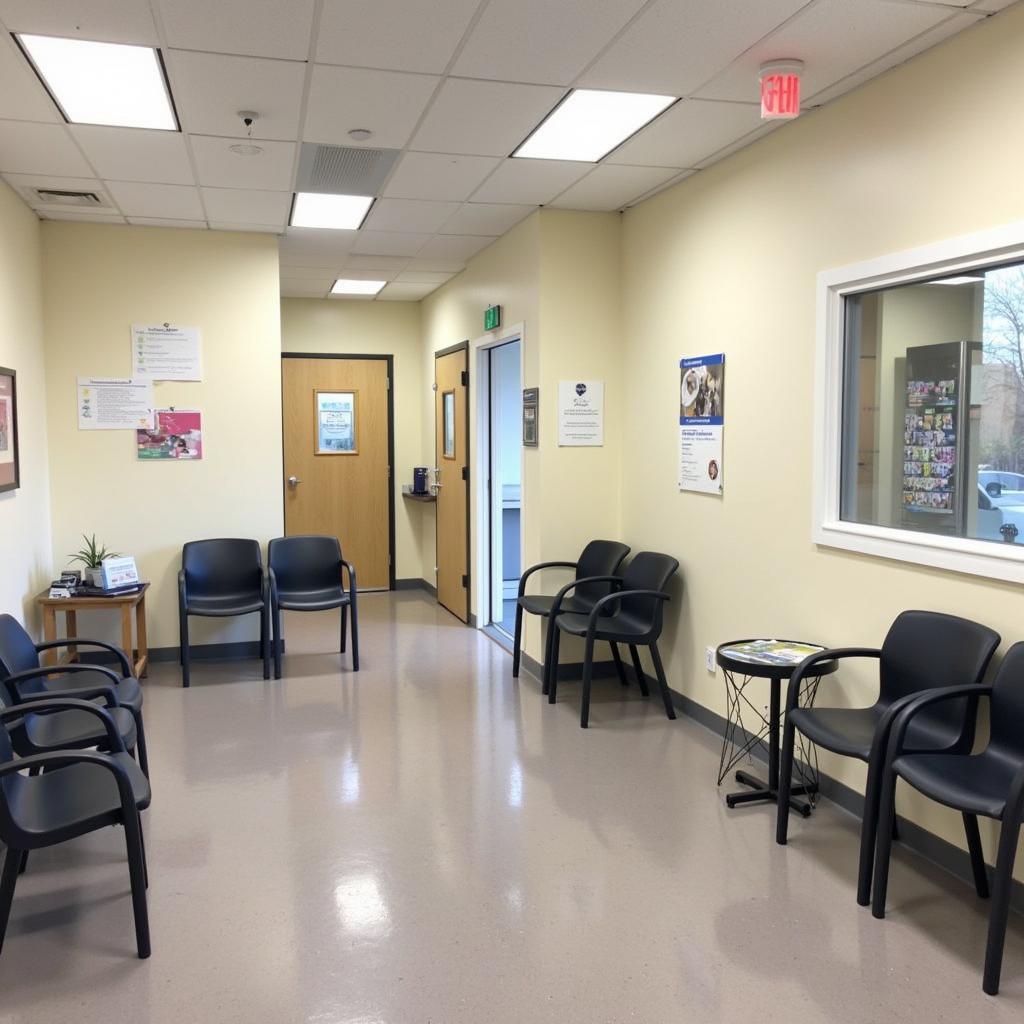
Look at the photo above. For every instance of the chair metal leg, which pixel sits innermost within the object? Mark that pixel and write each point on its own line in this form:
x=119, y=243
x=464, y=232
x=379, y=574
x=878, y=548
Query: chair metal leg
x=977, y=854
x=869, y=824
x=550, y=665
x=12, y=864
x=641, y=679
x=883, y=842
x=137, y=873
x=145, y=859
x=140, y=744
x=1000, y=913
x=556, y=643
x=344, y=628
x=265, y=638
x=659, y=671
x=618, y=664
x=186, y=654
x=588, y=672
x=517, y=641
x=23, y=866
x=355, y=637
x=278, y=640
x=785, y=782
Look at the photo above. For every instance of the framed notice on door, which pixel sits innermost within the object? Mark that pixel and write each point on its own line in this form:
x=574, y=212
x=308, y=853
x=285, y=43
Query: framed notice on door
x=335, y=417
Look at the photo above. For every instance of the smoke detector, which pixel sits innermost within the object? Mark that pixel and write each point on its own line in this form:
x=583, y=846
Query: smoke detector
x=246, y=149
x=360, y=134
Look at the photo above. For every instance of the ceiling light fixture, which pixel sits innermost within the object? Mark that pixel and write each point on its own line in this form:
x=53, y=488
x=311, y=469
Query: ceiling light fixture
x=103, y=83
x=321, y=210
x=345, y=286
x=589, y=123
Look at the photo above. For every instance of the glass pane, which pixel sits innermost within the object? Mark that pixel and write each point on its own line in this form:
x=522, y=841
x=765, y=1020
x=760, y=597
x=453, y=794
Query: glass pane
x=933, y=406
x=448, y=405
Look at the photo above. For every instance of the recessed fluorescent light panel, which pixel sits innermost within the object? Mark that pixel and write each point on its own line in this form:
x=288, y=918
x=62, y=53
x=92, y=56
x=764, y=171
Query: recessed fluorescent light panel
x=589, y=123
x=346, y=287
x=320, y=210
x=103, y=83
x=960, y=280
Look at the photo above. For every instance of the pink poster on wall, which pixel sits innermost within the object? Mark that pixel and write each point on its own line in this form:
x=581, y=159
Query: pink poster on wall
x=178, y=435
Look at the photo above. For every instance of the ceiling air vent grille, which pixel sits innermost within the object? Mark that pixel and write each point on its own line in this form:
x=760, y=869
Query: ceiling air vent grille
x=59, y=197
x=344, y=170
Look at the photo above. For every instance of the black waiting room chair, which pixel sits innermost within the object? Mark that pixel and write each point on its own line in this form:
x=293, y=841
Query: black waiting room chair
x=307, y=575
x=69, y=793
x=598, y=558
x=989, y=783
x=921, y=651
x=632, y=614
x=222, y=577
x=25, y=677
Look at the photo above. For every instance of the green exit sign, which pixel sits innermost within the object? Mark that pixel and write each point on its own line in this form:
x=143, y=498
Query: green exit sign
x=492, y=318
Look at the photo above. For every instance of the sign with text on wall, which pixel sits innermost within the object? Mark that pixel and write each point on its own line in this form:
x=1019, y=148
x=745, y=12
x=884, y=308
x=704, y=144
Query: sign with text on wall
x=701, y=423
x=166, y=352
x=114, y=403
x=581, y=413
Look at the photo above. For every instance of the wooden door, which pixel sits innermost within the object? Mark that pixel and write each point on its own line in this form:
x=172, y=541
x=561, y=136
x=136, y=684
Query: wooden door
x=451, y=408
x=337, y=477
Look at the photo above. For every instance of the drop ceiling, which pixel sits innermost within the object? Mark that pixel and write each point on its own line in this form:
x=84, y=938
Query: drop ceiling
x=454, y=85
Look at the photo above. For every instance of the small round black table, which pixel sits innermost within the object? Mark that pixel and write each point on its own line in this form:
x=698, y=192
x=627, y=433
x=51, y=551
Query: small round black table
x=739, y=741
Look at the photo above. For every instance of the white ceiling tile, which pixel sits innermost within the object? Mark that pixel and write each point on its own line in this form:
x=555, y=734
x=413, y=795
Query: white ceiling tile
x=367, y=275
x=89, y=216
x=388, y=103
x=388, y=264
x=765, y=128
x=247, y=206
x=209, y=90
x=451, y=266
x=165, y=222
x=302, y=289
x=309, y=273
x=992, y=5
x=257, y=28
x=609, y=187
x=506, y=43
x=438, y=176
x=484, y=118
x=107, y=21
x=454, y=247
x=141, y=199
x=217, y=165
x=314, y=247
x=262, y=229
x=532, y=182
x=663, y=186
x=27, y=148
x=135, y=154
x=392, y=34
x=405, y=292
x=409, y=215
x=485, y=218
x=389, y=243
x=833, y=38
x=22, y=98
x=423, y=277
x=674, y=47
x=24, y=183
x=687, y=133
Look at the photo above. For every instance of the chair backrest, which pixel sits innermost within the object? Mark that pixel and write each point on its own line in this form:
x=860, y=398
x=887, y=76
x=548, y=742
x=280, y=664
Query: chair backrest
x=17, y=651
x=923, y=650
x=1007, y=707
x=305, y=563
x=599, y=558
x=222, y=567
x=649, y=570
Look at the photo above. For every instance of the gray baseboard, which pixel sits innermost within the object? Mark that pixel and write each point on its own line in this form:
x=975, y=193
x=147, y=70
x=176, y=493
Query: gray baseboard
x=416, y=584
x=568, y=670
x=239, y=650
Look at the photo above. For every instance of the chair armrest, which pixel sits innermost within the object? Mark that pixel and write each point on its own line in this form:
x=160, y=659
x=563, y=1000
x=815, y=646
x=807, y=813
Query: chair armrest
x=126, y=667
x=272, y=582
x=803, y=670
x=63, y=758
x=90, y=693
x=618, y=595
x=52, y=707
x=536, y=568
x=12, y=682
x=913, y=703
x=351, y=578
x=556, y=606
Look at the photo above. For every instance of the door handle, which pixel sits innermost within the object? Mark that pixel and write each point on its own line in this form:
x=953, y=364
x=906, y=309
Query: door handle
x=294, y=481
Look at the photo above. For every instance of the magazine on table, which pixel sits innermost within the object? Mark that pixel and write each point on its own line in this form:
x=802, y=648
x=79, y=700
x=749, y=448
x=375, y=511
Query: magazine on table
x=771, y=652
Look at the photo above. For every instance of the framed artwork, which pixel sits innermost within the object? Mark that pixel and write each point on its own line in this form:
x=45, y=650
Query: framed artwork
x=336, y=424
x=9, y=466
x=448, y=413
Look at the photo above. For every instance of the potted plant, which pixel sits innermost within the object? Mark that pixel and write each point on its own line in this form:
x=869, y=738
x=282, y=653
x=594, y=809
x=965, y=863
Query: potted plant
x=91, y=556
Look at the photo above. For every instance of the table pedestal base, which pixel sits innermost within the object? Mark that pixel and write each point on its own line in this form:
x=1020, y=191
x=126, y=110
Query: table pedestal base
x=760, y=790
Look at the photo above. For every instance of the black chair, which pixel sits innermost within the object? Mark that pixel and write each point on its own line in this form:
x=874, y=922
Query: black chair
x=24, y=676
x=220, y=578
x=599, y=558
x=632, y=614
x=307, y=575
x=922, y=650
x=990, y=783
x=68, y=794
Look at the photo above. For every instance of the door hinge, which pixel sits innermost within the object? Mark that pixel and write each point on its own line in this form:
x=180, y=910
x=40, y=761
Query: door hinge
x=465, y=581
x=465, y=472
x=387, y=381
x=464, y=378
x=433, y=387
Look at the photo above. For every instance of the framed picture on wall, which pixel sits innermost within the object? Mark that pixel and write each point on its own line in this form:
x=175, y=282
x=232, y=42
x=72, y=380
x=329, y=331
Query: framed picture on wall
x=336, y=423
x=9, y=467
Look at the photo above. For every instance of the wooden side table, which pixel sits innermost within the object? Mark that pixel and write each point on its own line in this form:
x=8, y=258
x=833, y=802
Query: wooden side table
x=70, y=606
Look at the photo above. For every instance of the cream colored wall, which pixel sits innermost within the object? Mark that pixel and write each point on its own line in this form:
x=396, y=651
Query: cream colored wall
x=375, y=328
x=24, y=513
x=726, y=261
x=99, y=280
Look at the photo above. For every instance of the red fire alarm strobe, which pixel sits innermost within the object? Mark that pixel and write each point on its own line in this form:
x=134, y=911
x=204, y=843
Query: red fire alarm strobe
x=780, y=89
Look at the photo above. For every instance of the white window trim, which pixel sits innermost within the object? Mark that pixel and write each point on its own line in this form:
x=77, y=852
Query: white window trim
x=968, y=252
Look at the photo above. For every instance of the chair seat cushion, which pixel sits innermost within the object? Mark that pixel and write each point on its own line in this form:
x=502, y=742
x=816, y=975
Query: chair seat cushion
x=615, y=628
x=848, y=731
x=129, y=693
x=234, y=604
x=978, y=784
x=540, y=604
x=70, y=730
x=73, y=800
x=312, y=600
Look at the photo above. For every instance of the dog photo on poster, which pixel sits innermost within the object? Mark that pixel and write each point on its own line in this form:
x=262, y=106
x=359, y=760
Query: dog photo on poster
x=701, y=423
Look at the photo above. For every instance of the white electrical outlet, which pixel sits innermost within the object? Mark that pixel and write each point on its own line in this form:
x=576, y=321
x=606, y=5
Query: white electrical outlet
x=709, y=659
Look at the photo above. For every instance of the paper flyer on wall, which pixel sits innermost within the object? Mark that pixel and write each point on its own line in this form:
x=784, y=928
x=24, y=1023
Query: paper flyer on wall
x=166, y=352
x=178, y=434
x=581, y=413
x=701, y=423
x=114, y=403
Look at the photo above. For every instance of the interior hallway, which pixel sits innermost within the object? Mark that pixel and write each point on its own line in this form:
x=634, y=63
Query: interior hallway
x=429, y=841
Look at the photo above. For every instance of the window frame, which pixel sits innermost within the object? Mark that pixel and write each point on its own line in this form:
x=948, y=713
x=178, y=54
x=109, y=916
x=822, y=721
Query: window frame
x=979, y=251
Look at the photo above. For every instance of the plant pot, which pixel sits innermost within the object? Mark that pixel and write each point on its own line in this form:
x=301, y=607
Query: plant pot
x=94, y=577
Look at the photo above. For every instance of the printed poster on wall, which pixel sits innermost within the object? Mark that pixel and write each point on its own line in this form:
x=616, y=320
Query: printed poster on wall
x=114, y=403
x=166, y=352
x=701, y=422
x=581, y=413
x=178, y=434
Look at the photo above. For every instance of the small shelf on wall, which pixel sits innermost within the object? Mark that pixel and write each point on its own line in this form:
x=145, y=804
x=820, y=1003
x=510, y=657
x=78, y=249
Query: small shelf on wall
x=426, y=498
